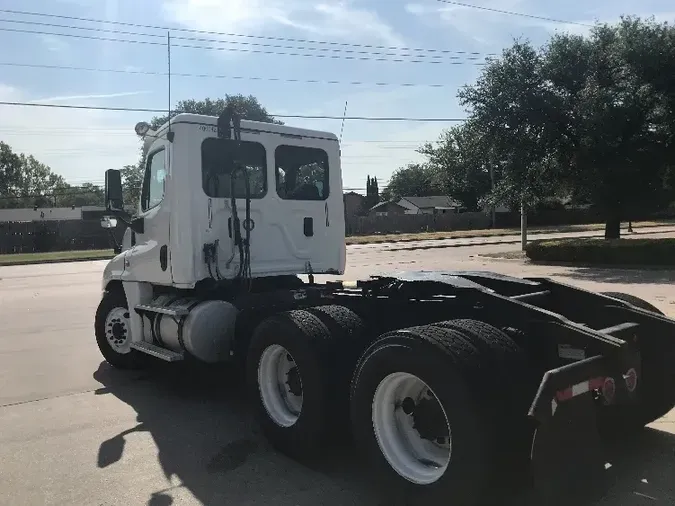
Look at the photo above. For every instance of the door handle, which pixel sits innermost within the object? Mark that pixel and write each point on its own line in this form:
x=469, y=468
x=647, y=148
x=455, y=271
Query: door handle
x=308, y=226
x=163, y=257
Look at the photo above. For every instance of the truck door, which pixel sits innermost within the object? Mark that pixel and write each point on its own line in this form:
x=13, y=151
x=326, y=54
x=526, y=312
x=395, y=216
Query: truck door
x=149, y=259
x=301, y=174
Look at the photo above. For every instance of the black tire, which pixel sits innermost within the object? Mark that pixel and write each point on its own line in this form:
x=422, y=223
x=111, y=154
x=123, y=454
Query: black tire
x=636, y=301
x=499, y=353
x=347, y=329
x=310, y=344
x=517, y=380
x=115, y=300
x=340, y=321
x=657, y=387
x=455, y=370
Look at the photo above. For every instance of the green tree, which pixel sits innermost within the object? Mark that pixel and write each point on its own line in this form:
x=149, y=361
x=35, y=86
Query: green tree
x=592, y=117
x=25, y=181
x=372, y=195
x=10, y=170
x=510, y=113
x=460, y=164
x=414, y=180
x=375, y=190
x=132, y=180
x=87, y=194
x=615, y=116
x=248, y=107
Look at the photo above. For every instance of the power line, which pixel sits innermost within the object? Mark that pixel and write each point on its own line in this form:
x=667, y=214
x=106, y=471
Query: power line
x=22, y=130
x=446, y=53
x=513, y=13
x=215, y=76
x=238, y=50
x=295, y=116
x=211, y=32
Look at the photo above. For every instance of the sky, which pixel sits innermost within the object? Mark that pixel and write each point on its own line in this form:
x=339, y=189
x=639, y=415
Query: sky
x=250, y=55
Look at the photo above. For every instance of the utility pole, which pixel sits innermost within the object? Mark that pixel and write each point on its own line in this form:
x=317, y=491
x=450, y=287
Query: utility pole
x=523, y=224
x=492, y=184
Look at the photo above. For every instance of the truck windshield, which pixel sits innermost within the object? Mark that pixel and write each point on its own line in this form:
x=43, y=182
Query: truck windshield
x=218, y=157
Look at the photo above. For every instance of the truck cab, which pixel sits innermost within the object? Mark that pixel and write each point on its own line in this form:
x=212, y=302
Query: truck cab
x=184, y=229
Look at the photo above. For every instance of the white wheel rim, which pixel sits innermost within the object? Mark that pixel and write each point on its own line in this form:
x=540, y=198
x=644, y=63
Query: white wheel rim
x=276, y=370
x=118, y=330
x=418, y=460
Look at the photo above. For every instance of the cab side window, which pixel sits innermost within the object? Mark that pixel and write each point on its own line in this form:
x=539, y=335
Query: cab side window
x=301, y=173
x=153, y=180
x=219, y=157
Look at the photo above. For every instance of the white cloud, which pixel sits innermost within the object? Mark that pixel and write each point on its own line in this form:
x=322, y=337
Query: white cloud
x=343, y=20
x=483, y=27
x=78, y=144
x=488, y=27
x=54, y=44
x=579, y=29
x=69, y=98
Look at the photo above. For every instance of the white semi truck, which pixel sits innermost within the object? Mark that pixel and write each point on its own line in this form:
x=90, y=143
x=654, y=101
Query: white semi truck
x=446, y=379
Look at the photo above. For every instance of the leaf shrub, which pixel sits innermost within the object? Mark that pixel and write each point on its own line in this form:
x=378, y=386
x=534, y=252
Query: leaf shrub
x=601, y=251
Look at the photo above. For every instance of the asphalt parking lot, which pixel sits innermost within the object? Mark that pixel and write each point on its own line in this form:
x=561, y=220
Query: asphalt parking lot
x=75, y=432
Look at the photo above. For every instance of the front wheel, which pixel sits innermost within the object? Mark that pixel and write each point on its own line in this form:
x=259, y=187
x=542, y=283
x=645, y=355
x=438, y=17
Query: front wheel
x=112, y=327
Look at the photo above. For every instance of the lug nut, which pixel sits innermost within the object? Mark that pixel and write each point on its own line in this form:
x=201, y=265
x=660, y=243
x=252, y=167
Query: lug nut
x=631, y=379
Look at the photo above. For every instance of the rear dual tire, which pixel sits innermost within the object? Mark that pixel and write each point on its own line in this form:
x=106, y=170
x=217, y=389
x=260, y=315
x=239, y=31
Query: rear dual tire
x=298, y=378
x=473, y=409
x=469, y=374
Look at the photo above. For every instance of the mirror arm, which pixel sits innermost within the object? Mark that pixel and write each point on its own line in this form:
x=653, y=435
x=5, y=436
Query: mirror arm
x=120, y=215
x=117, y=247
x=135, y=224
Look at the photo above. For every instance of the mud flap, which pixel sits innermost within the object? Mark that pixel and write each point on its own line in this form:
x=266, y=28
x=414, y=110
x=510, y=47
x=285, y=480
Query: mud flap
x=567, y=457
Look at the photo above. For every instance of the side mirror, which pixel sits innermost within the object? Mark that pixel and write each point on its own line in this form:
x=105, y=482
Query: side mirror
x=113, y=190
x=108, y=222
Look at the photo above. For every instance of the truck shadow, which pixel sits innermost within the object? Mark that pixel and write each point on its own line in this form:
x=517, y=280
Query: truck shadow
x=642, y=470
x=206, y=438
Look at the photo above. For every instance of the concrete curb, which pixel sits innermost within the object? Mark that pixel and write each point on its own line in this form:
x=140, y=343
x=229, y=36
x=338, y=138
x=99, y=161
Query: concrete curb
x=505, y=234
x=494, y=243
x=613, y=267
x=56, y=261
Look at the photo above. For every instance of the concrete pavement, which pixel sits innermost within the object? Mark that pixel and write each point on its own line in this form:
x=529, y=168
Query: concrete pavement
x=74, y=432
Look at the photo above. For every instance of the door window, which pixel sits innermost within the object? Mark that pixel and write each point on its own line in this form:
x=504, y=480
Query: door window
x=153, y=182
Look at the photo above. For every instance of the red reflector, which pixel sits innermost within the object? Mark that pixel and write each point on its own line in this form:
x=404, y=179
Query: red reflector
x=596, y=383
x=580, y=388
x=564, y=395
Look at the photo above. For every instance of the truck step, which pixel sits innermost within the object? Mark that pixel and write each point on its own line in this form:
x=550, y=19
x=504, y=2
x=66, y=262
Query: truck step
x=156, y=351
x=162, y=310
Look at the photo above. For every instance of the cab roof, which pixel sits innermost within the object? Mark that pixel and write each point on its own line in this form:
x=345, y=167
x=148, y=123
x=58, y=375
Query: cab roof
x=201, y=119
